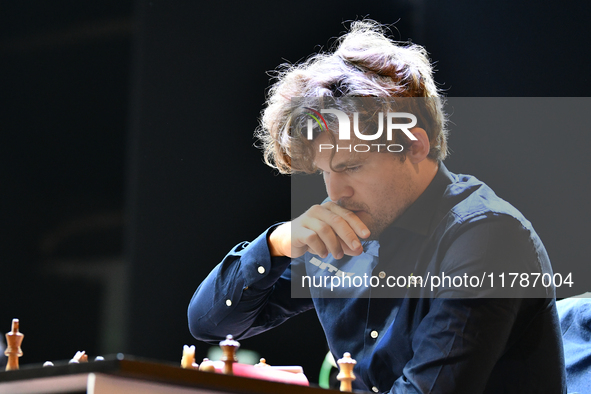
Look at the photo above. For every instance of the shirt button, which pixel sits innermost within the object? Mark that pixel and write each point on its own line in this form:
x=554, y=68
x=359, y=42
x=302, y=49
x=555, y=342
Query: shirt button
x=261, y=269
x=374, y=389
x=382, y=275
x=229, y=302
x=374, y=334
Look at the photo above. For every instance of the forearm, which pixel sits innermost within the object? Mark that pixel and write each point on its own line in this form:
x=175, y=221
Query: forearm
x=247, y=293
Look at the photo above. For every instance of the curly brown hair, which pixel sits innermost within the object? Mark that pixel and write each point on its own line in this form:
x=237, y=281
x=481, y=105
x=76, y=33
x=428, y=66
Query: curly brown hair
x=364, y=63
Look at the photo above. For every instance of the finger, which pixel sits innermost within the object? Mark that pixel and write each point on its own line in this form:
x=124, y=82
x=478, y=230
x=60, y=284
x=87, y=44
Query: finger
x=326, y=235
x=339, y=224
x=343, y=231
x=305, y=237
x=351, y=252
x=360, y=229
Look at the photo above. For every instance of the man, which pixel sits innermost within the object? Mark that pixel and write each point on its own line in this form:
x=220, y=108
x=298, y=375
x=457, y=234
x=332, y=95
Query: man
x=393, y=212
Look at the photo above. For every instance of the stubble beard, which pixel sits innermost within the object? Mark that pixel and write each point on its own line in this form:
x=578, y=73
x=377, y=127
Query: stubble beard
x=379, y=221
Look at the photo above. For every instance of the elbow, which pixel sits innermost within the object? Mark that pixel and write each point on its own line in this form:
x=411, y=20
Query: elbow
x=197, y=322
x=201, y=325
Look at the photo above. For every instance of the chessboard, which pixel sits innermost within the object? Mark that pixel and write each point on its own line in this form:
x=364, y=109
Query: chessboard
x=124, y=374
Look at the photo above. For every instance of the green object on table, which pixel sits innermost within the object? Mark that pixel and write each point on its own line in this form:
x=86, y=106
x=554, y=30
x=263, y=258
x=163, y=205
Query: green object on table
x=324, y=376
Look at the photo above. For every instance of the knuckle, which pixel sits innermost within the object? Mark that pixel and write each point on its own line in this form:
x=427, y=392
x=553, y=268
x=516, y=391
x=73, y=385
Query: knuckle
x=324, y=229
x=337, y=220
x=350, y=236
x=328, y=204
x=314, y=208
x=350, y=215
x=310, y=238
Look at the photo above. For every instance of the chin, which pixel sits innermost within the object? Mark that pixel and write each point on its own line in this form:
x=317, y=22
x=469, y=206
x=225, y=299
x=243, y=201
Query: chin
x=364, y=216
x=367, y=220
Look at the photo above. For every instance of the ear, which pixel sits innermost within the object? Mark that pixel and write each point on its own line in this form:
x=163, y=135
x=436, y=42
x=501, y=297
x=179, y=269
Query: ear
x=419, y=149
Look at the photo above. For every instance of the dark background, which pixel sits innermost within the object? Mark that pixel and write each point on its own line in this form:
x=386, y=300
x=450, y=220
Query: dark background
x=128, y=168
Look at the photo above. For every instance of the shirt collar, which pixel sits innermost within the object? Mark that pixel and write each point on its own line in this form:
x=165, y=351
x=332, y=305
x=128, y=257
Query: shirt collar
x=417, y=218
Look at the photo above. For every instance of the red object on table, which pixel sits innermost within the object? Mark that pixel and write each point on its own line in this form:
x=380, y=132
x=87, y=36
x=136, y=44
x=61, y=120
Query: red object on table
x=266, y=373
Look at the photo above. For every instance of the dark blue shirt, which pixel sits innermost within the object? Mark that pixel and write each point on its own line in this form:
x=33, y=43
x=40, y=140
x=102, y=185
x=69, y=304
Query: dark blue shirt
x=411, y=337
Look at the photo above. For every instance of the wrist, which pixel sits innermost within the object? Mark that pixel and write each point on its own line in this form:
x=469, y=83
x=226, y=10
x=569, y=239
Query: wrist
x=275, y=240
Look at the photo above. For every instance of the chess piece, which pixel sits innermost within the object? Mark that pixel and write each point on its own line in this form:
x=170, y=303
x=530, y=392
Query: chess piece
x=207, y=366
x=229, y=347
x=99, y=358
x=79, y=357
x=47, y=364
x=13, y=346
x=346, y=376
x=188, y=360
x=262, y=363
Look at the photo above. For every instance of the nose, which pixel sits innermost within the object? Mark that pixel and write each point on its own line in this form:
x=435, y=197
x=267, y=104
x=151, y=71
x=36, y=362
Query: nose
x=337, y=186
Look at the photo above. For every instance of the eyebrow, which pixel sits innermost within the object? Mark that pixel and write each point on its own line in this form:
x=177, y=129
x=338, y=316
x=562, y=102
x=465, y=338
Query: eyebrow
x=349, y=163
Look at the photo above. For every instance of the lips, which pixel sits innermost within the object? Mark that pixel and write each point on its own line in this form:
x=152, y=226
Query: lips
x=352, y=207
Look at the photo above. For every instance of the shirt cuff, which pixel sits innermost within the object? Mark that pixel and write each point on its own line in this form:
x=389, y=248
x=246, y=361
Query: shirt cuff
x=258, y=268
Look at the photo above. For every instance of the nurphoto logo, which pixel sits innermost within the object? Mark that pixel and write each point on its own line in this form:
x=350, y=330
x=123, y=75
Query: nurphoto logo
x=344, y=132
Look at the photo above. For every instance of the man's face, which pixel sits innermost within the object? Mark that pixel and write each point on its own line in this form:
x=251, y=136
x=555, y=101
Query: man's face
x=378, y=187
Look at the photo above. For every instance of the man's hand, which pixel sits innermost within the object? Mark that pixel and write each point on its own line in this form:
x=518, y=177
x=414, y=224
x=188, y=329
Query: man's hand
x=322, y=229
